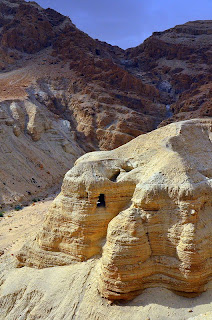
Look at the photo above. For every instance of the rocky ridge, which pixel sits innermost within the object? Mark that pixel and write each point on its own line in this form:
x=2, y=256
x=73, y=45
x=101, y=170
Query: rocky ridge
x=178, y=62
x=99, y=85
x=61, y=93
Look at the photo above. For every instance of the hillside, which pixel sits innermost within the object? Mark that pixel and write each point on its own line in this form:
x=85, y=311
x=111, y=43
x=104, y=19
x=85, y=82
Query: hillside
x=64, y=93
x=178, y=62
x=128, y=236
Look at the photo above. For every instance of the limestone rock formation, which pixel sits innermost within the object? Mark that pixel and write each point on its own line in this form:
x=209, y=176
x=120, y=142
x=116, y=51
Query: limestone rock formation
x=144, y=209
x=71, y=292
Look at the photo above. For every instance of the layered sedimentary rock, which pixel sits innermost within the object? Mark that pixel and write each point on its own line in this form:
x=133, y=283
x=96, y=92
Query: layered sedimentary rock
x=74, y=76
x=108, y=95
x=178, y=62
x=36, y=151
x=61, y=94
x=143, y=208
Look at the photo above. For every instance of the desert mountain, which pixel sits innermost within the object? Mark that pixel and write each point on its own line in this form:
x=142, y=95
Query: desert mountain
x=64, y=93
x=178, y=62
x=127, y=219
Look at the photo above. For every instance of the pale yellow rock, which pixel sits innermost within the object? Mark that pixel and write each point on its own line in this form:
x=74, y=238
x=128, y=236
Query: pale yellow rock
x=145, y=208
x=70, y=292
x=18, y=114
x=38, y=122
x=203, y=316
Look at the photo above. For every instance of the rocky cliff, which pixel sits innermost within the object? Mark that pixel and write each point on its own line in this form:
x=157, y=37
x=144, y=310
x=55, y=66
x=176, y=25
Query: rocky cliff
x=75, y=76
x=178, y=62
x=143, y=210
x=61, y=94
x=93, y=95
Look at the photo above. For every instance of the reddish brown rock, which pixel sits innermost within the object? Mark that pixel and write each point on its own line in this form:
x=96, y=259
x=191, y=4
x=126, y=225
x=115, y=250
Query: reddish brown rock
x=77, y=78
x=107, y=95
x=178, y=62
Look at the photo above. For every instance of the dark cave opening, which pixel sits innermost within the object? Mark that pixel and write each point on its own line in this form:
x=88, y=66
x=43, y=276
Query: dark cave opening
x=101, y=200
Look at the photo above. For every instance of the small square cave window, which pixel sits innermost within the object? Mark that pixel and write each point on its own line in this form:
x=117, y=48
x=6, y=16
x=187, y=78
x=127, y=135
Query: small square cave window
x=101, y=200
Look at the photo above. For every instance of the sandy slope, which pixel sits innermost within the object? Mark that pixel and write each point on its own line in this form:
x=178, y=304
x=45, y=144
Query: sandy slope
x=17, y=226
x=68, y=292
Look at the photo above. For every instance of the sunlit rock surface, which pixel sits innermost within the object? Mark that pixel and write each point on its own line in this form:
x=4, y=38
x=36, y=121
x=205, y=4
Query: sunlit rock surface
x=144, y=209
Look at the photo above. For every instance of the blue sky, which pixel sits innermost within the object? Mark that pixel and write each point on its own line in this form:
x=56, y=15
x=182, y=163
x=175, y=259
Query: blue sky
x=127, y=23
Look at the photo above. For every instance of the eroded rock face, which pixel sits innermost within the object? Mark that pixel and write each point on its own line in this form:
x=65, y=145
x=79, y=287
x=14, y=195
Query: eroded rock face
x=178, y=61
x=144, y=209
x=74, y=76
x=108, y=95
x=36, y=151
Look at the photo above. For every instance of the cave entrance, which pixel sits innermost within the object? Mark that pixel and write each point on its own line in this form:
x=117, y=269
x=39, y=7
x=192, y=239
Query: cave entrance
x=101, y=200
